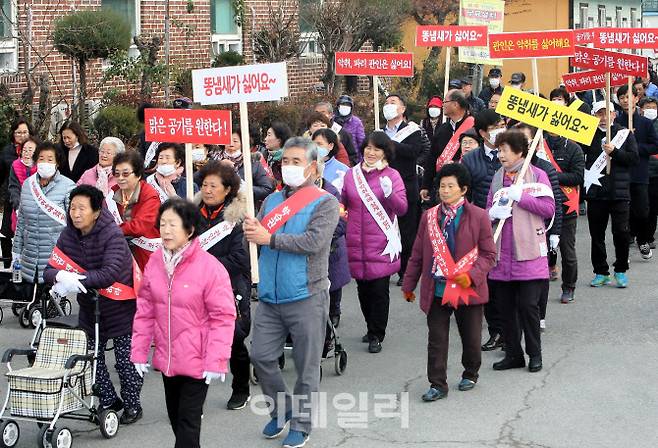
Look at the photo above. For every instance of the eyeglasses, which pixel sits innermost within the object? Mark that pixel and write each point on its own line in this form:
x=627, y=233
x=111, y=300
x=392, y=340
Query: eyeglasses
x=123, y=173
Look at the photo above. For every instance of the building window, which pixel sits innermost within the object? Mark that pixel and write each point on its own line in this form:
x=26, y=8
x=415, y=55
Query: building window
x=308, y=35
x=583, y=15
x=126, y=8
x=226, y=34
x=8, y=47
x=602, y=21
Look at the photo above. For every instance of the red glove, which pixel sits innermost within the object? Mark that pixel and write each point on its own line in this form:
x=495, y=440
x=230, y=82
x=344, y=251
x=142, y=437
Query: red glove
x=409, y=296
x=463, y=280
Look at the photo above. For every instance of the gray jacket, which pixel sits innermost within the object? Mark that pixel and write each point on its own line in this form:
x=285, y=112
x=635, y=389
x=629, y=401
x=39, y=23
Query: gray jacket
x=36, y=232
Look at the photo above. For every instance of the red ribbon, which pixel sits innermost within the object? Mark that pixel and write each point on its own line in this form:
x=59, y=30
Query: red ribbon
x=453, y=145
x=277, y=217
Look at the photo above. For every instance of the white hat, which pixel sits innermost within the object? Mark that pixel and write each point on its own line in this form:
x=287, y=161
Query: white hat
x=598, y=106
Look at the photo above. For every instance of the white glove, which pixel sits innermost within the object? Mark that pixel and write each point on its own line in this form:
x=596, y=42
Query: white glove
x=514, y=192
x=387, y=185
x=142, y=369
x=210, y=376
x=554, y=241
x=499, y=212
x=70, y=281
x=59, y=290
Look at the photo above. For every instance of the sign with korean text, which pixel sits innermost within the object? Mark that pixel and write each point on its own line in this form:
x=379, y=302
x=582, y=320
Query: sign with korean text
x=591, y=80
x=188, y=126
x=547, y=115
x=243, y=83
x=610, y=61
x=374, y=64
x=489, y=13
x=584, y=36
x=634, y=38
x=451, y=36
x=532, y=44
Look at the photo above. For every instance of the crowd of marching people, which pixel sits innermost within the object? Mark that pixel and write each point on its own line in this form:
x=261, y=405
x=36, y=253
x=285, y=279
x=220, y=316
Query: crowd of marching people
x=469, y=204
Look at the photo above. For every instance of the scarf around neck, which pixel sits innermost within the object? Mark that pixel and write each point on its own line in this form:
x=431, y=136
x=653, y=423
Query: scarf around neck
x=103, y=180
x=237, y=160
x=450, y=211
x=172, y=259
x=166, y=183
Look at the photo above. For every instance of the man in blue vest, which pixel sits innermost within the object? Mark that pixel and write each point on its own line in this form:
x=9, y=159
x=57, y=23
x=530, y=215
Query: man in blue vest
x=298, y=223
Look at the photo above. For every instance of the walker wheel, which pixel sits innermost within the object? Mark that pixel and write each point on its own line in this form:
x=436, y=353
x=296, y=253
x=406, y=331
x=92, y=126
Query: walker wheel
x=61, y=438
x=9, y=433
x=24, y=318
x=44, y=435
x=108, y=423
x=16, y=308
x=65, y=305
x=2, y=315
x=340, y=362
x=35, y=317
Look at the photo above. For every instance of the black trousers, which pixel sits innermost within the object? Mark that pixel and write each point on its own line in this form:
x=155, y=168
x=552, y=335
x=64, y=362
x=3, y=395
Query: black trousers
x=492, y=311
x=374, y=299
x=334, y=302
x=639, y=222
x=185, y=397
x=519, y=306
x=653, y=208
x=5, y=247
x=408, y=227
x=598, y=213
x=568, y=253
x=239, y=361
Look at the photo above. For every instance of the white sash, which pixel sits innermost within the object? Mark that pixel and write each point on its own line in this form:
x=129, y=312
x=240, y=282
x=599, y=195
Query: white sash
x=47, y=206
x=336, y=127
x=405, y=132
x=150, y=153
x=378, y=213
x=163, y=194
x=149, y=244
x=113, y=209
x=595, y=172
x=215, y=234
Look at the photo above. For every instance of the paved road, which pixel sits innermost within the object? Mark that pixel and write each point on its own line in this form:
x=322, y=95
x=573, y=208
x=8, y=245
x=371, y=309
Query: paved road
x=597, y=389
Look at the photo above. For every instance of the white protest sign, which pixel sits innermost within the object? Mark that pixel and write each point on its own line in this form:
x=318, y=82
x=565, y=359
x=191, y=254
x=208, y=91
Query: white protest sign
x=240, y=84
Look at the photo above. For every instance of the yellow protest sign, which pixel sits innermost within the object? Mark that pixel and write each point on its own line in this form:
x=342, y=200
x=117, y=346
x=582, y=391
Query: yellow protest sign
x=547, y=115
x=490, y=13
x=575, y=104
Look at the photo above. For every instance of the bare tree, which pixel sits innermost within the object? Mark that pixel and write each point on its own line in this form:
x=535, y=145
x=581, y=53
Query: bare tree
x=278, y=40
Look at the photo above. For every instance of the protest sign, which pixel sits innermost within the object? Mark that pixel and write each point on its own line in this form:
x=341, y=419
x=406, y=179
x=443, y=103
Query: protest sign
x=610, y=61
x=451, y=36
x=532, y=44
x=489, y=13
x=630, y=38
x=590, y=80
x=355, y=63
x=211, y=127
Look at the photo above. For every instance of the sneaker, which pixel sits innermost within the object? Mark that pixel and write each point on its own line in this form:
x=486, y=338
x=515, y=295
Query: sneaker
x=621, y=279
x=130, y=416
x=274, y=429
x=295, y=439
x=645, y=250
x=542, y=324
x=434, y=394
x=466, y=384
x=555, y=273
x=567, y=296
x=600, y=280
x=238, y=401
x=375, y=346
x=116, y=406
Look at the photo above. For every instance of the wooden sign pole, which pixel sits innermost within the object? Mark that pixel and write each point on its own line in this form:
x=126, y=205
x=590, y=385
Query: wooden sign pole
x=446, y=81
x=189, y=172
x=608, y=136
x=249, y=182
x=631, y=106
x=375, y=87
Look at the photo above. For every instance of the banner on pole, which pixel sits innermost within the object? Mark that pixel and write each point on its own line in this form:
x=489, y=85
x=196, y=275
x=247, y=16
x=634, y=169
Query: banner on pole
x=591, y=80
x=584, y=36
x=532, y=44
x=544, y=114
x=211, y=127
x=489, y=13
x=630, y=38
x=610, y=61
x=243, y=83
x=451, y=36
x=356, y=63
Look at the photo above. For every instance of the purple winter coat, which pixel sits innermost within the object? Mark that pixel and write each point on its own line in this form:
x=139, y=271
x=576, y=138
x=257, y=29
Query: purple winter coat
x=339, y=272
x=365, y=240
x=354, y=126
x=507, y=268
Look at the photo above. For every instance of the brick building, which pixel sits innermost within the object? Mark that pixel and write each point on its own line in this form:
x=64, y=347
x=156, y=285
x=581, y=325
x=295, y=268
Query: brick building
x=200, y=29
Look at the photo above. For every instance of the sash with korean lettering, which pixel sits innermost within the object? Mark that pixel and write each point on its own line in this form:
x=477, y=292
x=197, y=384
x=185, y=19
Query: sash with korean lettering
x=154, y=183
x=150, y=153
x=113, y=209
x=118, y=291
x=390, y=228
x=453, y=145
x=280, y=215
x=150, y=244
x=215, y=234
x=445, y=266
x=595, y=172
x=571, y=194
x=405, y=132
x=46, y=205
x=336, y=127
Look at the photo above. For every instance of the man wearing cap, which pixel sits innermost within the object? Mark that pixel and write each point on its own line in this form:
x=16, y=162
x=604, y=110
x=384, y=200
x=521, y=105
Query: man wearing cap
x=326, y=109
x=608, y=195
x=433, y=119
x=493, y=86
x=477, y=105
x=350, y=122
x=517, y=80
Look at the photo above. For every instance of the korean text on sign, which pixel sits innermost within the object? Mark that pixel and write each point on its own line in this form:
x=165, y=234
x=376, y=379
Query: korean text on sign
x=535, y=44
x=247, y=83
x=590, y=80
x=451, y=36
x=375, y=64
x=489, y=13
x=610, y=61
x=626, y=38
x=544, y=114
x=188, y=126
x=584, y=36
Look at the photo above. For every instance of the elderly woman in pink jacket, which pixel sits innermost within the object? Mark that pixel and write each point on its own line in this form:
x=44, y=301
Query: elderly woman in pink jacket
x=522, y=260
x=186, y=307
x=374, y=196
x=101, y=175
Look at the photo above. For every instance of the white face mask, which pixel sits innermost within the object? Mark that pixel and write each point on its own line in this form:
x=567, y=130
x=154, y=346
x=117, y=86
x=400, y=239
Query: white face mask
x=46, y=169
x=344, y=111
x=166, y=170
x=390, y=111
x=293, y=176
x=651, y=114
x=434, y=112
x=494, y=82
x=198, y=155
x=494, y=134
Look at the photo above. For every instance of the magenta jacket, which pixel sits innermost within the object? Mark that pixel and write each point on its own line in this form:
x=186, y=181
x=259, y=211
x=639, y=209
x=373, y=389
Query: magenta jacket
x=508, y=268
x=190, y=319
x=90, y=177
x=474, y=229
x=365, y=240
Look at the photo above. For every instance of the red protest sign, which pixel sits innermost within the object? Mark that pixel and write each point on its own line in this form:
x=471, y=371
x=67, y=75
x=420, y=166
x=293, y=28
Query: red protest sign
x=451, y=36
x=626, y=38
x=355, y=63
x=584, y=36
x=532, y=44
x=610, y=61
x=590, y=80
x=188, y=126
